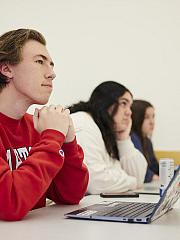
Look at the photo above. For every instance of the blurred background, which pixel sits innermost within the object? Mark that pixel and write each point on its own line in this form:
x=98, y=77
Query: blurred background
x=134, y=42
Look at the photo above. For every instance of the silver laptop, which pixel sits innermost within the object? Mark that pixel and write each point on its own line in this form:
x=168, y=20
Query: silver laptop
x=133, y=212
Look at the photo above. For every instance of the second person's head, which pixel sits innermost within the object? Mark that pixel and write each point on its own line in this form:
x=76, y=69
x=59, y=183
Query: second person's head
x=143, y=118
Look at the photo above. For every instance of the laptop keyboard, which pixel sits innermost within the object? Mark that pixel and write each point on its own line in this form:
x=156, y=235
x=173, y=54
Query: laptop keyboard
x=128, y=209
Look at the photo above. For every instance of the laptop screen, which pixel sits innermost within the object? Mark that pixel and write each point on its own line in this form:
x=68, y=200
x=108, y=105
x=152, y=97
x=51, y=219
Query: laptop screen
x=170, y=196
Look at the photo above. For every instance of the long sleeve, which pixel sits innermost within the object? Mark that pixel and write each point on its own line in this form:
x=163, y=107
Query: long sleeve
x=153, y=166
x=70, y=184
x=23, y=187
x=132, y=160
x=149, y=175
x=106, y=174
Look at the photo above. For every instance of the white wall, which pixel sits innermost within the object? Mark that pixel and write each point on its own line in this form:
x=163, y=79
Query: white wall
x=135, y=42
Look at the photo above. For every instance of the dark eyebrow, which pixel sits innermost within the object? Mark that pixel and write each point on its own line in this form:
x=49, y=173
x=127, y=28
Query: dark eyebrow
x=124, y=99
x=46, y=59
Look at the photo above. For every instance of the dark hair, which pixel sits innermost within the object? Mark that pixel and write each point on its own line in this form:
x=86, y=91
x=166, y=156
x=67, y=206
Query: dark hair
x=138, y=114
x=102, y=98
x=11, y=44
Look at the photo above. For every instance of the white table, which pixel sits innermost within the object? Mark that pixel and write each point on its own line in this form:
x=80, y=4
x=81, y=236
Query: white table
x=49, y=223
x=151, y=188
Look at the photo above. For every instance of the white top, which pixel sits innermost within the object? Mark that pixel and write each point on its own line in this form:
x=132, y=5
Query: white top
x=108, y=174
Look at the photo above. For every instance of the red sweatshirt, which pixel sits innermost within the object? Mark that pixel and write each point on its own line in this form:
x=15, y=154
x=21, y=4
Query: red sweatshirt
x=36, y=166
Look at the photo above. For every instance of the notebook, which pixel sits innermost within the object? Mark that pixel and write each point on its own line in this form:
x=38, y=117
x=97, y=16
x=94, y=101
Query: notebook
x=133, y=212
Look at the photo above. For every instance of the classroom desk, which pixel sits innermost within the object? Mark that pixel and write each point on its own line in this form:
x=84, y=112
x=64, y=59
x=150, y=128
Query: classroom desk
x=151, y=188
x=49, y=223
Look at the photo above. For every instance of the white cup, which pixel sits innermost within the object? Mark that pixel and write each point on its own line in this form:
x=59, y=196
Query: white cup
x=166, y=172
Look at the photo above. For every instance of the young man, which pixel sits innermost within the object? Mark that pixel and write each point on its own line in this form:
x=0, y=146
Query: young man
x=39, y=156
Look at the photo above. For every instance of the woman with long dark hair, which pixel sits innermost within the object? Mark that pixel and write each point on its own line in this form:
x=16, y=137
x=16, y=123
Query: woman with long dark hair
x=102, y=127
x=142, y=128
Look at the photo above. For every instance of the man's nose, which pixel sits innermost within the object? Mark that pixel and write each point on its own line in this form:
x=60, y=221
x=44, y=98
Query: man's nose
x=152, y=122
x=51, y=75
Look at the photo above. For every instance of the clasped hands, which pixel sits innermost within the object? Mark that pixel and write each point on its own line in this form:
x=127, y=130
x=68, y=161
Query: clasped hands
x=54, y=117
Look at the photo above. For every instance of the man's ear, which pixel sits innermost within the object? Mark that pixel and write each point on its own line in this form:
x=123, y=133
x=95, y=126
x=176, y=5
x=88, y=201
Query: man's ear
x=6, y=70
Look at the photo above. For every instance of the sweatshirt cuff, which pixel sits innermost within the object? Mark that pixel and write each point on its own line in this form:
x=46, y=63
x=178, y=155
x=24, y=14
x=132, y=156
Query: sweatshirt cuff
x=53, y=135
x=125, y=146
x=70, y=148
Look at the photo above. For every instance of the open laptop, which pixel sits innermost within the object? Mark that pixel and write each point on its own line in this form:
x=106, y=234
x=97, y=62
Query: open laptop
x=133, y=212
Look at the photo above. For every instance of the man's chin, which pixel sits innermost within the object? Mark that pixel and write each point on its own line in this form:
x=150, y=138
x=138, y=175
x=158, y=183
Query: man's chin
x=41, y=101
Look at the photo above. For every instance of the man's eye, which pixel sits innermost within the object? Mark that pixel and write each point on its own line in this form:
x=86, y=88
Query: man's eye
x=39, y=61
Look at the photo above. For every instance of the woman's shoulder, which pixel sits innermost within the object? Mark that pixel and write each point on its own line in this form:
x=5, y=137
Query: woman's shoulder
x=83, y=119
x=135, y=137
x=136, y=141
